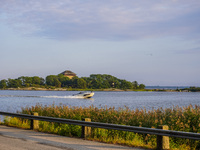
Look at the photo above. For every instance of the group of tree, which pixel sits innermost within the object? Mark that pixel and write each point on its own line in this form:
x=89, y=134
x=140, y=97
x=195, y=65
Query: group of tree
x=193, y=89
x=22, y=82
x=95, y=81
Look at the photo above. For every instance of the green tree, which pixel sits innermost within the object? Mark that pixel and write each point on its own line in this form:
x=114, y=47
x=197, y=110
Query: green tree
x=42, y=81
x=106, y=84
x=126, y=84
x=135, y=84
x=57, y=83
x=23, y=79
x=26, y=81
x=116, y=84
x=31, y=81
x=95, y=81
x=96, y=84
x=81, y=83
x=88, y=81
x=50, y=80
x=74, y=82
x=3, y=84
x=65, y=81
x=14, y=83
x=141, y=86
x=36, y=80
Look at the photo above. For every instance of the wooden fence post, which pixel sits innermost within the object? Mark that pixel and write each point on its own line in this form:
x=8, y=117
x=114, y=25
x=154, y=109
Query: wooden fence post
x=86, y=131
x=162, y=141
x=34, y=123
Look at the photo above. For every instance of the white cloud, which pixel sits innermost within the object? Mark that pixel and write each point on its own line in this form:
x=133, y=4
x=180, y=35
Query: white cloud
x=106, y=19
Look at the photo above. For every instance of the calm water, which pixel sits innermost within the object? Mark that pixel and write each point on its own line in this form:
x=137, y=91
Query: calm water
x=11, y=101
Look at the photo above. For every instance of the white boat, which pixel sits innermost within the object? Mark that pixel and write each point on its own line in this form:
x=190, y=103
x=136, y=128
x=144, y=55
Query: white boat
x=84, y=94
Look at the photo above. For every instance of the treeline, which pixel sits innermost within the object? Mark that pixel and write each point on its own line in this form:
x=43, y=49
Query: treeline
x=193, y=89
x=95, y=81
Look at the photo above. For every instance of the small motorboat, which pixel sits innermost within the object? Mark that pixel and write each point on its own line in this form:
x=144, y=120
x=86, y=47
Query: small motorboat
x=84, y=94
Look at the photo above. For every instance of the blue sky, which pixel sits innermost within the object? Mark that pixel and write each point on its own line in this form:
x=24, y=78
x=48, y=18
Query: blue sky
x=154, y=42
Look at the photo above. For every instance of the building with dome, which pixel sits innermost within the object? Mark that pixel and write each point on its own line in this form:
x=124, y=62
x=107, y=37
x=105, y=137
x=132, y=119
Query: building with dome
x=69, y=74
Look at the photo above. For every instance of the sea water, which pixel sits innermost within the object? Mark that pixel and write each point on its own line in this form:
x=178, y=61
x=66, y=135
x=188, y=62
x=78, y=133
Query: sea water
x=12, y=101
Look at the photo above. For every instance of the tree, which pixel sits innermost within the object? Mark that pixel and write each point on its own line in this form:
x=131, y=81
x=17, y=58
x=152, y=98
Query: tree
x=126, y=84
x=74, y=81
x=116, y=84
x=65, y=81
x=141, y=86
x=81, y=83
x=3, y=84
x=14, y=83
x=42, y=81
x=135, y=84
x=94, y=84
x=36, y=80
x=50, y=80
x=26, y=81
x=88, y=81
x=31, y=81
x=23, y=79
x=57, y=83
x=106, y=84
x=95, y=81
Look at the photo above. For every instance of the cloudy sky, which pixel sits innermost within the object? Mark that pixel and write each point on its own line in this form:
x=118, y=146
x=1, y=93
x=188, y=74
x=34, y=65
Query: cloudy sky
x=155, y=42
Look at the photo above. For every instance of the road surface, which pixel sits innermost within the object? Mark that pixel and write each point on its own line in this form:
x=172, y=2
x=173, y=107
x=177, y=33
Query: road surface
x=19, y=139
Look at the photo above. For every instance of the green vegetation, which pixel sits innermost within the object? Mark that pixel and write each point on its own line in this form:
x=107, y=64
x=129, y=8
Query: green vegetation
x=95, y=81
x=178, y=118
x=192, y=89
x=22, y=82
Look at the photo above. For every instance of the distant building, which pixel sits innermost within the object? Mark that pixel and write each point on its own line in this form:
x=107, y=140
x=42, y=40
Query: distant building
x=69, y=74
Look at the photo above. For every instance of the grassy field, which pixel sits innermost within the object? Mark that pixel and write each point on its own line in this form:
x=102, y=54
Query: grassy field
x=178, y=118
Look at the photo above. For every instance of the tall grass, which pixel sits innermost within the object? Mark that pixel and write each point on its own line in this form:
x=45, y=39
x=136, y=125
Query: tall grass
x=177, y=118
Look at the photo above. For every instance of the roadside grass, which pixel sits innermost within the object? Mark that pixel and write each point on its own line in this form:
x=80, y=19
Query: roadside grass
x=177, y=118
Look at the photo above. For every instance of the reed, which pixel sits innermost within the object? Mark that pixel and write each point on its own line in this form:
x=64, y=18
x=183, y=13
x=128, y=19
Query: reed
x=177, y=118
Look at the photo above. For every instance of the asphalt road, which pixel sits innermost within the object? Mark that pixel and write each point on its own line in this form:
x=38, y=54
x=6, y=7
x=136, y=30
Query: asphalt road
x=19, y=139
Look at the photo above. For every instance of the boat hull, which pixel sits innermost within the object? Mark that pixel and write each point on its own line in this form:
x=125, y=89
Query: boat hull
x=88, y=95
x=84, y=95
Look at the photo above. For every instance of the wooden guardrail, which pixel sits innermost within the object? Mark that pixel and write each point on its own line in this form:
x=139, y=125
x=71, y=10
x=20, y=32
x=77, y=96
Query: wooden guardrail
x=162, y=133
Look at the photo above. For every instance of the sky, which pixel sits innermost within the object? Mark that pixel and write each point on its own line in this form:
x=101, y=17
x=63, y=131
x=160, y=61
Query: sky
x=154, y=42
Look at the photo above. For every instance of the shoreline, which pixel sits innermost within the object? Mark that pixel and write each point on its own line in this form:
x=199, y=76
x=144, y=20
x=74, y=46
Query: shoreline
x=105, y=90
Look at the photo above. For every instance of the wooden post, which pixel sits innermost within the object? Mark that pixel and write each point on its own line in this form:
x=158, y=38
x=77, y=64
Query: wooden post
x=86, y=131
x=34, y=123
x=163, y=141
